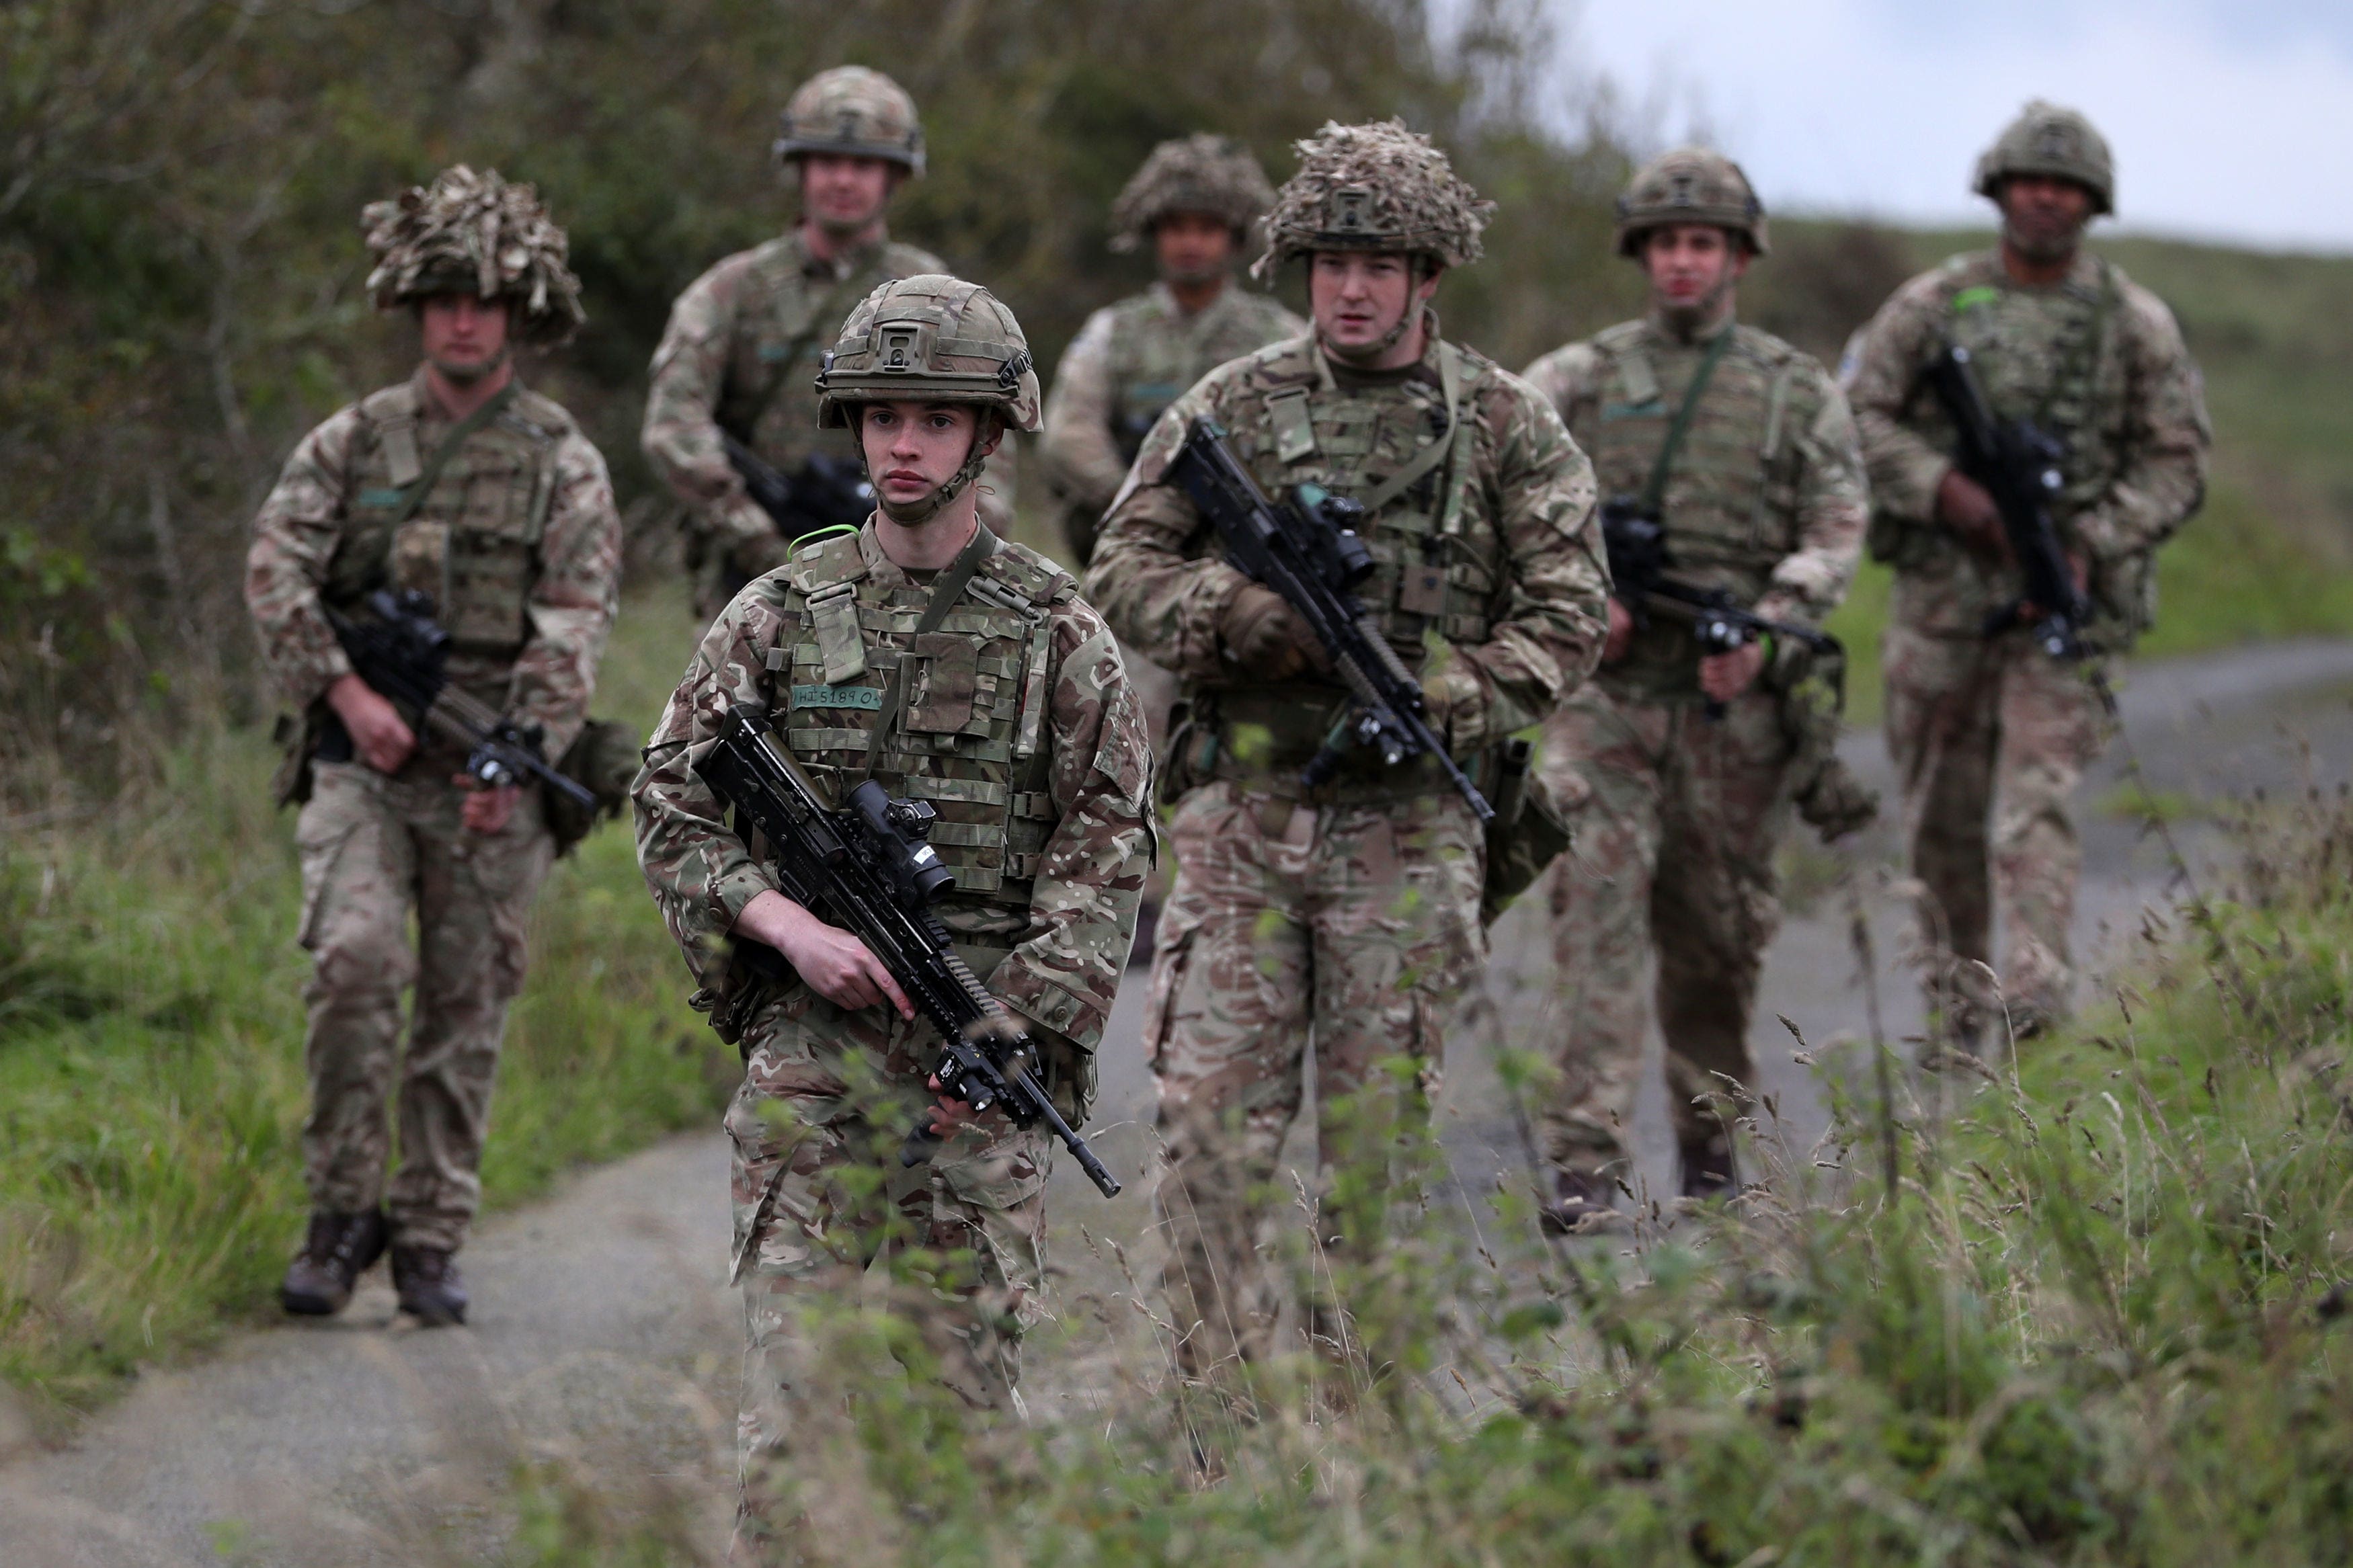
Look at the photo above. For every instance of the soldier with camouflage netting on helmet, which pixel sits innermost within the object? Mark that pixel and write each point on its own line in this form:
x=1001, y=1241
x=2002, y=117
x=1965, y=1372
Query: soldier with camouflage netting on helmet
x=744, y=342
x=1990, y=733
x=1195, y=202
x=1683, y=763
x=923, y=652
x=1348, y=914
x=461, y=484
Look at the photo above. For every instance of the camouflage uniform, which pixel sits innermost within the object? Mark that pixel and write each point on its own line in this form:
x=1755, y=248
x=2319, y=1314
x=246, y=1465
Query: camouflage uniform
x=1020, y=727
x=519, y=544
x=1990, y=735
x=1669, y=895
x=1352, y=908
x=746, y=340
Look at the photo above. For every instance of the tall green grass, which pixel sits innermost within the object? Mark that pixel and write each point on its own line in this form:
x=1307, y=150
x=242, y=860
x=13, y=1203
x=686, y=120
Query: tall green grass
x=151, y=1031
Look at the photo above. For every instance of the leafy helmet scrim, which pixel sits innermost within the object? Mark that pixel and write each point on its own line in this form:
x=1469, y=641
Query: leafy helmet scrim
x=1377, y=187
x=2048, y=140
x=1201, y=174
x=854, y=111
x=1690, y=185
x=474, y=234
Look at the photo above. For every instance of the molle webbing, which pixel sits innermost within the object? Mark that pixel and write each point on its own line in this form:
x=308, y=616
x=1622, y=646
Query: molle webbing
x=1654, y=493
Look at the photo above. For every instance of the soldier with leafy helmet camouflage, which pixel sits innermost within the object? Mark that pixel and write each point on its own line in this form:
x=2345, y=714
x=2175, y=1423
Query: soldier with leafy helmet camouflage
x=1685, y=762
x=1345, y=913
x=921, y=651
x=1991, y=734
x=463, y=485
x=744, y=342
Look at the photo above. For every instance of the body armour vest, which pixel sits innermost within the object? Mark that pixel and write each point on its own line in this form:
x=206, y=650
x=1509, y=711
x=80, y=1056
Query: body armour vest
x=973, y=735
x=471, y=541
x=2044, y=355
x=1157, y=353
x=1439, y=559
x=1730, y=506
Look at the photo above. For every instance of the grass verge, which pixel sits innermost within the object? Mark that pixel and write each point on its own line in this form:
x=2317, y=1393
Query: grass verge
x=151, y=1079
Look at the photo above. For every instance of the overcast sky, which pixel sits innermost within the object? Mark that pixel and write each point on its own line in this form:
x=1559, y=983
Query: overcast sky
x=2231, y=121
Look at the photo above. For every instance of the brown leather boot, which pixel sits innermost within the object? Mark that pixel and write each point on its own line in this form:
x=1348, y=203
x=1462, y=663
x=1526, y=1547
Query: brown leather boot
x=338, y=1250
x=1581, y=1206
x=431, y=1289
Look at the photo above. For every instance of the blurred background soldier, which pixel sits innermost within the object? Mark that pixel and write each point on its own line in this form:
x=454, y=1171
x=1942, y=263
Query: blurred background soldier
x=1195, y=202
x=1349, y=912
x=746, y=340
x=1990, y=733
x=956, y=669
x=1741, y=449
x=462, y=485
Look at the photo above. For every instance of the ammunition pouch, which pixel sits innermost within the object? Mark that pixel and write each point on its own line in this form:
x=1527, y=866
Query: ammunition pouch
x=1529, y=832
x=603, y=759
x=1828, y=797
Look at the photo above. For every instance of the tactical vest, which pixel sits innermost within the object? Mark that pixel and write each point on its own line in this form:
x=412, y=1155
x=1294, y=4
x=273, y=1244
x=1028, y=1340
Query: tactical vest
x=972, y=737
x=473, y=543
x=1439, y=559
x=1157, y=354
x=2040, y=354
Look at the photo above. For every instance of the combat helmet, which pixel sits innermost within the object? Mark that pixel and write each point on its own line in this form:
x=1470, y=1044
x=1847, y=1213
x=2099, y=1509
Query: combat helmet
x=931, y=339
x=853, y=111
x=1199, y=174
x=2048, y=140
x=474, y=234
x=1377, y=187
x=1690, y=185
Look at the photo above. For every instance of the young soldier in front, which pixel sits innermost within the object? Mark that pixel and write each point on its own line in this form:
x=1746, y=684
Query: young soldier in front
x=923, y=653
x=1990, y=734
x=1744, y=451
x=461, y=484
x=1349, y=912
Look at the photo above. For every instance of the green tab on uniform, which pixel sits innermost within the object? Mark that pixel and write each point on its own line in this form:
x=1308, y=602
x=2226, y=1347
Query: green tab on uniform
x=380, y=497
x=866, y=697
x=1969, y=298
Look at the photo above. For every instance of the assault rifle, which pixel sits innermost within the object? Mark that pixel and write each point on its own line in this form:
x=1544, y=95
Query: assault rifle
x=402, y=654
x=828, y=492
x=1639, y=564
x=2020, y=467
x=869, y=868
x=1307, y=550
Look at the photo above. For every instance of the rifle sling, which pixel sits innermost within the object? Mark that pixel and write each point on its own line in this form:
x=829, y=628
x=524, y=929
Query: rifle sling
x=422, y=486
x=945, y=591
x=1450, y=387
x=1654, y=494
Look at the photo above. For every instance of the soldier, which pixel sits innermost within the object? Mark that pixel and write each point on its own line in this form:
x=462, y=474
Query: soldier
x=743, y=341
x=1350, y=911
x=460, y=483
x=1989, y=733
x=1194, y=201
x=1742, y=449
x=920, y=651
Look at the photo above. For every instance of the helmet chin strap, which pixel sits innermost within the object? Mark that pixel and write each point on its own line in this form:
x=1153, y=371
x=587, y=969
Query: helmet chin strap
x=1386, y=341
x=914, y=514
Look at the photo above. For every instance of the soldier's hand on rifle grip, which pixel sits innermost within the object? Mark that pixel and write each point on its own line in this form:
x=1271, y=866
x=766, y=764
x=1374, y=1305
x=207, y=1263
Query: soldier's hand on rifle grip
x=948, y=1117
x=381, y=737
x=1622, y=632
x=1963, y=505
x=1724, y=676
x=1266, y=638
x=486, y=810
x=835, y=965
x=2079, y=565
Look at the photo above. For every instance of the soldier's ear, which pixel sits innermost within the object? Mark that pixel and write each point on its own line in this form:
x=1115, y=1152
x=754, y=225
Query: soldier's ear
x=989, y=434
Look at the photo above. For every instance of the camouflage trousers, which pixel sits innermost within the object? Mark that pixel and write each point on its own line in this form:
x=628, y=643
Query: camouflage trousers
x=1989, y=738
x=1352, y=928
x=819, y=1195
x=1664, y=906
x=373, y=849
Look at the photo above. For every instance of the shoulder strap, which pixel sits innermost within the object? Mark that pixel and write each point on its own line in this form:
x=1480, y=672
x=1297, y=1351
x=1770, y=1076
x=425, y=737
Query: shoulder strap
x=416, y=491
x=1654, y=494
x=1450, y=387
x=945, y=594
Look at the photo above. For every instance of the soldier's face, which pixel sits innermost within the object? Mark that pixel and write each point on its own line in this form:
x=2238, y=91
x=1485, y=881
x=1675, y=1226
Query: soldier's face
x=912, y=448
x=1192, y=247
x=1358, y=299
x=464, y=338
x=2044, y=217
x=844, y=193
x=1691, y=266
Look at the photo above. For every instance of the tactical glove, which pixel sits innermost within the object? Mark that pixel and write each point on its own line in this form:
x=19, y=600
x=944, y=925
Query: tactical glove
x=1266, y=638
x=1455, y=705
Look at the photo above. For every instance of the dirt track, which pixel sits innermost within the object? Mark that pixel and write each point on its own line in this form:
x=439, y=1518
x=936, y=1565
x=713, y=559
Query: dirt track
x=604, y=1332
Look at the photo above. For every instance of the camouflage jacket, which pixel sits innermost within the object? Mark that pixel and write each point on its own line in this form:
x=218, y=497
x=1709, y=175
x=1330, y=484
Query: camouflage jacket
x=1489, y=573
x=518, y=542
x=742, y=353
x=1017, y=725
x=1765, y=496
x=1127, y=365
x=2098, y=362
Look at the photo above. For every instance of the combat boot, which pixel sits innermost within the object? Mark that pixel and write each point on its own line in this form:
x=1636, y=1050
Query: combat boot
x=1581, y=1206
x=338, y=1250
x=1710, y=1174
x=431, y=1289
